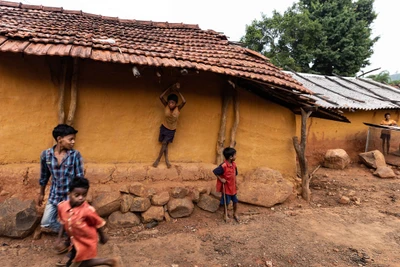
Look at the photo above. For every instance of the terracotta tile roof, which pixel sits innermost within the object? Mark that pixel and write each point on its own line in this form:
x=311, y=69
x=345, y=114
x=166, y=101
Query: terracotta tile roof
x=40, y=30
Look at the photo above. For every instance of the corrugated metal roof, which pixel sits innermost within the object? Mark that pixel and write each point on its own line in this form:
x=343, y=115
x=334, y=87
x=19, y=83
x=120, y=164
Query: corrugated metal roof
x=336, y=92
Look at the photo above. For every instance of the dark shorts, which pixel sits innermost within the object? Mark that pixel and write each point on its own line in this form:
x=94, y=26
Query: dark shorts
x=166, y=135
x=385, y=136
x=228, y=199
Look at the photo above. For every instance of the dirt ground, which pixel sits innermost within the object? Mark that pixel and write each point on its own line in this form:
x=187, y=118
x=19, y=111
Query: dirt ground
x=322, y=233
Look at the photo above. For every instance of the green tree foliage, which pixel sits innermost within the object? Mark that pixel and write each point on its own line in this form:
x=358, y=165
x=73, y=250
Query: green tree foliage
x=382, y=77
x=316, y=36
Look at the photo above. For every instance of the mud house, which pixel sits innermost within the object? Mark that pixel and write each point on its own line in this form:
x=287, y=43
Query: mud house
x=104, y=75
x=358, y=99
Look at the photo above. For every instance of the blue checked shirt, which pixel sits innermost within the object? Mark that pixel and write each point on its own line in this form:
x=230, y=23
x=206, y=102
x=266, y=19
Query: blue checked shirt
x=71, y=166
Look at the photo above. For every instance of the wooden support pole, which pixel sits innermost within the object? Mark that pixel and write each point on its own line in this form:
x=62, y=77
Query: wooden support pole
x=61, y=92
x=236, y=122
x=221, y=133
x=74, y=92
x=300, y=151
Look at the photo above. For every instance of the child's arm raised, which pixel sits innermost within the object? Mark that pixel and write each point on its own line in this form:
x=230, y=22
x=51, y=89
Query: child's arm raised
x=183, y=100
x=162, y=99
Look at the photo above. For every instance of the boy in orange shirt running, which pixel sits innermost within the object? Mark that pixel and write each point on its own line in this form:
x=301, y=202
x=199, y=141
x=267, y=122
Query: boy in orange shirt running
x=83, y=226
x=226, y=179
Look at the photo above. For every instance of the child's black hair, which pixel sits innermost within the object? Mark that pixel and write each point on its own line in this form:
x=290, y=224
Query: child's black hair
x=63, y=130
x=387, y=114
x=173, y=97
x=229, y=152
x=79, y=182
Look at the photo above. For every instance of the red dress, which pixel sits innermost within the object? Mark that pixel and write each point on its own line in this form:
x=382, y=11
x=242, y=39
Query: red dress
x=227, y=171
x=81, y=224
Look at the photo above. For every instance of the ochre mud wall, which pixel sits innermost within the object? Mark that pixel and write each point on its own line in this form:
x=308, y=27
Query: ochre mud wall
x=324, y=134
x=118, y=116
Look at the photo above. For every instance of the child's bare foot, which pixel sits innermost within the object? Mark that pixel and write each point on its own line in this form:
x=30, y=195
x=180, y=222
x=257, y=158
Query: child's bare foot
x=114, y=262
x=168, y=164
x=236, y=218
x=155, y=164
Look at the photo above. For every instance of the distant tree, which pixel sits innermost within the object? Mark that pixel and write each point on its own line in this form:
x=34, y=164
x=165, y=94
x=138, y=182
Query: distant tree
x=316, y=36
x=382, y=77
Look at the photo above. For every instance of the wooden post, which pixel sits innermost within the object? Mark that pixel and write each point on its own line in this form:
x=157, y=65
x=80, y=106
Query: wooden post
x=300, y=151
x=221, y=133
x=74, y=91
x=236, y=122
x=61, y=92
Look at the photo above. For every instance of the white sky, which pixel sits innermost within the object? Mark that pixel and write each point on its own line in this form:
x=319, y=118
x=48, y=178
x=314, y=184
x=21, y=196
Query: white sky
x=231, y=17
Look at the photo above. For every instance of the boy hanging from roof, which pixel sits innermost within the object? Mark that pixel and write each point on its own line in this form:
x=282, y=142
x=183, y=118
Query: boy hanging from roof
x=226, y=181
x=168, y=127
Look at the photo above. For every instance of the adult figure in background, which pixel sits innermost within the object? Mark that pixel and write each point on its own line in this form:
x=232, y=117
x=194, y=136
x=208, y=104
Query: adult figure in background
x=385, y=134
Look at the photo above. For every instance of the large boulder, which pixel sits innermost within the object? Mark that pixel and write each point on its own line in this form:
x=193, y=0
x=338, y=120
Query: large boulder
x=180, y=207
x=106, y=203
x=160, y=199
x=18, y=218
x=336, y=159
x=264, y=187
x=123, y=220
x=208, y=203
x=373, y=159
x=154, y=213
x=140, y=204
x=384, y=172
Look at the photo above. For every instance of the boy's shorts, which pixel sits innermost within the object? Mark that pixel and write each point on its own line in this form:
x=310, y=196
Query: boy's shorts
x=228, y=199
x=166, y=135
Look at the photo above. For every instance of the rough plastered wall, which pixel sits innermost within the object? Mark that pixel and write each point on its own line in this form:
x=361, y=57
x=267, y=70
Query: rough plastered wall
x=28, y=101
x=325, y=134
x=118, y=116
x=264, y=137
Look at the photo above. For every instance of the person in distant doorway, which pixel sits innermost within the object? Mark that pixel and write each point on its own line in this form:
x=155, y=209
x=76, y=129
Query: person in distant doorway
x=385, y=134
x=168, y=127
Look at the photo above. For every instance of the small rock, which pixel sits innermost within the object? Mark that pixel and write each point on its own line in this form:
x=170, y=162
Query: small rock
x=352, y=193
x=139, y=190
x=208, y=203
x=179, y=192
x=336, y=250
x=140, y=204
x=123, y=220
x=319, y=205
x=160, y=199
x=154, y=213
x=4, y=193
x=126, y=203
x=344, y=200
x=384, y=172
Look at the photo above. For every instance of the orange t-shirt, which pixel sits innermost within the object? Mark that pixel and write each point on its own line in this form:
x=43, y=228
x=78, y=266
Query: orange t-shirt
x=81, y=224
x=171, y=118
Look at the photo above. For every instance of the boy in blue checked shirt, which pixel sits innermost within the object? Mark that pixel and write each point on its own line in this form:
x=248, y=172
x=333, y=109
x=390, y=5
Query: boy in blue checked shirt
x=63, y=164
